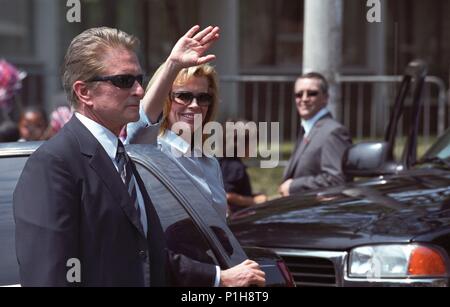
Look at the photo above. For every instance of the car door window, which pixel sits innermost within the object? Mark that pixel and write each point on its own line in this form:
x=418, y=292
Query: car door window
x=182, y=191
x=182, y=234
x=10, y=169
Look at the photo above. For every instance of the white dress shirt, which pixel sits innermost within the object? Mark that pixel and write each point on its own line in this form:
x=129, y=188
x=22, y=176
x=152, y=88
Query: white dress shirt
x=309, y=124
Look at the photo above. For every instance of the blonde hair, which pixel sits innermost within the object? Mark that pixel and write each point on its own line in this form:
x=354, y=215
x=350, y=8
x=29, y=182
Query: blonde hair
x=183, y=76
x=83, y=59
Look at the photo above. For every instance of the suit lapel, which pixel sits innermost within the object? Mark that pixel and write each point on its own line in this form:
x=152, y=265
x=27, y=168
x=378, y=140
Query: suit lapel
x=305, y=142
x=315, y=129
x=289, y=172
x=302, y=144
x=110, y=177
x=101, y=163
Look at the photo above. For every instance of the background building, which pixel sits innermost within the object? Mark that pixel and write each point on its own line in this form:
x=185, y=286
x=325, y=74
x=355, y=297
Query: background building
x=262, y=38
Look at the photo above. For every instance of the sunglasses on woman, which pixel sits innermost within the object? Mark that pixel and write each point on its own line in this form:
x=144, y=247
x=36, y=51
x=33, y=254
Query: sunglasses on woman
x=186, y=98
x=121, y=81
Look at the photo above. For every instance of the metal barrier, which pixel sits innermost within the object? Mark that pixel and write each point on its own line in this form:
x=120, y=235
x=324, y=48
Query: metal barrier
x=364, y=108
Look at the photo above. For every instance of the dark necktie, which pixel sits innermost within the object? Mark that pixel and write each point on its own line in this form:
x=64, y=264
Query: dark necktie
x=302, y=135
x=126, y=173
x=301, y=131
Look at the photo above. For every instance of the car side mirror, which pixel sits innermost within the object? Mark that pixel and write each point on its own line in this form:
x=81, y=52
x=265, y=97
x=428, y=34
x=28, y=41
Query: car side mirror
x=369, y=159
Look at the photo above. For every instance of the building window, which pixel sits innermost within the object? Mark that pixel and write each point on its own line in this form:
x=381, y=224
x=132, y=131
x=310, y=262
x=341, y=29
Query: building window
x=354, y=36
x=15, y=28
x=271, y=35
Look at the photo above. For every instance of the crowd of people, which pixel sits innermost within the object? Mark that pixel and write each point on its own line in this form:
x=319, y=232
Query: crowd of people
x=109, y=106
x=32, y=122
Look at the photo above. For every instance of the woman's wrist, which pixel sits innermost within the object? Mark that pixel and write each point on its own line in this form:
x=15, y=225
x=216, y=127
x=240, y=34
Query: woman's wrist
x=173, y=66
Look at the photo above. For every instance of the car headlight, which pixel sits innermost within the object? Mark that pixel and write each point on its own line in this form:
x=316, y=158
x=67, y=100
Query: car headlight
x=396, y=261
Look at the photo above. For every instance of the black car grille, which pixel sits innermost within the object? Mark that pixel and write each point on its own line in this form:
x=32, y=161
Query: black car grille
x=311, y=271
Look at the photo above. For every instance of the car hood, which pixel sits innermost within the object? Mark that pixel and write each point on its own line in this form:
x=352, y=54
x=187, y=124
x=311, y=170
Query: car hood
x=394, y=209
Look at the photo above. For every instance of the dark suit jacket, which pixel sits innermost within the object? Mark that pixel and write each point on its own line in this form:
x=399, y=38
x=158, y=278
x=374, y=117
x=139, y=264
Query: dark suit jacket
x=71, y=203
x=316, y=160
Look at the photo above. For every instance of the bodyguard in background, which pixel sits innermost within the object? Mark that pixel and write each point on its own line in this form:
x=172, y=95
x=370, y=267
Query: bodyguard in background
x=317, y=157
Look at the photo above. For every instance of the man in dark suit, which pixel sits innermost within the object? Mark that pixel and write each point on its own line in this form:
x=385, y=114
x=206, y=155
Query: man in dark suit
x=82, y=214
x=316, y=160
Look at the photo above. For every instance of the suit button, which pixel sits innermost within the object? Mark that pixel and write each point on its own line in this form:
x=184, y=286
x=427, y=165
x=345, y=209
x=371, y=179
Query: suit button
x=142, y=254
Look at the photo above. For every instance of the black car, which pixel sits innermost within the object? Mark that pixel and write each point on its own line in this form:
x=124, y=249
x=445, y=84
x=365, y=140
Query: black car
x=390, y=230
x=192, y=227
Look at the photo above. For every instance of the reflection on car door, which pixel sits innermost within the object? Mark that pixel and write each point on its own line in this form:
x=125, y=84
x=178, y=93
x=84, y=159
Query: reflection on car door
x=174, y=187
x=182, y=234
x=10, y=169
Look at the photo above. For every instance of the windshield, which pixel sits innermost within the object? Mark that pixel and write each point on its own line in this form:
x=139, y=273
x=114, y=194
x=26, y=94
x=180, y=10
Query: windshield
x=440, y=149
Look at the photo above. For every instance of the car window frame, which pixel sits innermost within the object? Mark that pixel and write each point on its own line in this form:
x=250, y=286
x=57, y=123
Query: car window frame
x=439, y=146
x=25, y=156
x=198, y=213
x=146, y=155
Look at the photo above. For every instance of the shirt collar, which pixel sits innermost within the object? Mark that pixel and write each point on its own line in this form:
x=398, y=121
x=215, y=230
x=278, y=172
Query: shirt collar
x=103, y=135
x=309, y=123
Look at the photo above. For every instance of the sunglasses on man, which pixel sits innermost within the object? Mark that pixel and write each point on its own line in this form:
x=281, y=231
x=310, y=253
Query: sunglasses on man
x=308, y=94
x=186, y=98
x=125, y=81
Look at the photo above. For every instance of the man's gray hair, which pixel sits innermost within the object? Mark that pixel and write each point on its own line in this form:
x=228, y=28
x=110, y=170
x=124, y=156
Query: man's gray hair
x=317, y=76
x=84, y=56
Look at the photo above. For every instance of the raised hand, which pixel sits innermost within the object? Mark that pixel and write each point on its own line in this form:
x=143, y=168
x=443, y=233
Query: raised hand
x=190, y=48
x=188, y=51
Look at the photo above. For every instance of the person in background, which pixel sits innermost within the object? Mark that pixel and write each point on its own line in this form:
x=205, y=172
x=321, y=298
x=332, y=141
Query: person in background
x=33, y=124
x=235, y=177
x=58, y=118
x=317, y=157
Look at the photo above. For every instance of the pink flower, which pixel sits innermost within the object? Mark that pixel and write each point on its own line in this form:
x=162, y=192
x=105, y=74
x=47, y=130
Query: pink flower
x=10, y=82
